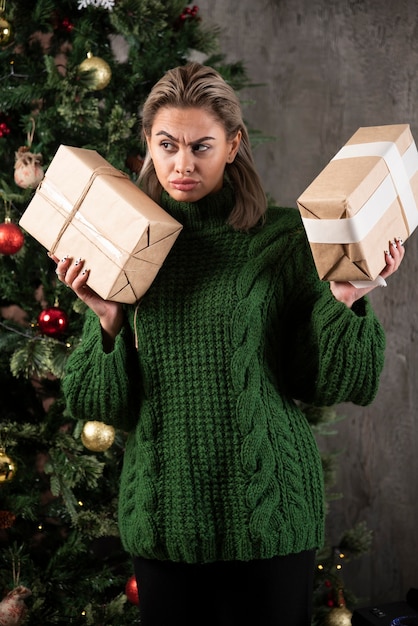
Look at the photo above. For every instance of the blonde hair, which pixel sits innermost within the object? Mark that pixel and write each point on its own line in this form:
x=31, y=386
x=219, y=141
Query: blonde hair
x=196, y=85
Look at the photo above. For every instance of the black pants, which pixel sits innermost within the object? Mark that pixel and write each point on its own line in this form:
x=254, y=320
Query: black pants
x=271, y=592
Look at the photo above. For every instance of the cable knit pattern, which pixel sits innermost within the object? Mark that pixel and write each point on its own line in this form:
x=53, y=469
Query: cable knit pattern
x=220, y=463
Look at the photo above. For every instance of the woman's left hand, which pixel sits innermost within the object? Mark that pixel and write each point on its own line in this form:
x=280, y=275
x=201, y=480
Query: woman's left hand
x=348, y=293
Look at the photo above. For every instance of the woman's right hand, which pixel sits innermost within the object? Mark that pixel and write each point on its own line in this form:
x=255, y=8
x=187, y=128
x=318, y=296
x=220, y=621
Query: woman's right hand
x=73, y=273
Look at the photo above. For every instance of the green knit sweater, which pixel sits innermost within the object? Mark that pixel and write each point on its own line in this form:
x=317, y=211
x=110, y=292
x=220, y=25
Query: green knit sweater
x=220, y=463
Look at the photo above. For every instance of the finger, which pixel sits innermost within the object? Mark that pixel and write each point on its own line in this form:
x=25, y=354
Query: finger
x=80, y=282
x=62, y=267
x=397, y=251
x=393, y=257
x=72, y=270
x=400, y=247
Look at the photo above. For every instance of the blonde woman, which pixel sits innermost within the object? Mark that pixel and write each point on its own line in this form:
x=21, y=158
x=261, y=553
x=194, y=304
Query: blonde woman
x=221, y=497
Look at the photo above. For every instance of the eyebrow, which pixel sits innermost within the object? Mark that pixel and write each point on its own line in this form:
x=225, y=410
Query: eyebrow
x=165, y=134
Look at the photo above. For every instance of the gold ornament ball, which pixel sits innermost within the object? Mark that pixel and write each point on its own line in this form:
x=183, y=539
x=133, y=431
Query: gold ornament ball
x=339, y=616
x=7, y=467
x=102, y=73
x=5, y=32
x=97, y=436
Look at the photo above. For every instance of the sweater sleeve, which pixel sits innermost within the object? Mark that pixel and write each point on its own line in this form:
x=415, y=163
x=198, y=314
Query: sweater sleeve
x=333, y=354
x=103, y=386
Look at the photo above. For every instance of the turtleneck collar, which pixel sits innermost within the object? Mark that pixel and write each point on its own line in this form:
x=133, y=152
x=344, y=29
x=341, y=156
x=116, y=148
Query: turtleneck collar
x=210, y=211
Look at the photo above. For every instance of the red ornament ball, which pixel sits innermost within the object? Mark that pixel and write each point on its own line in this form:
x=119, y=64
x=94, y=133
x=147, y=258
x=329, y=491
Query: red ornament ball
x=53, y=321
x=11, y=238
x=131, y=590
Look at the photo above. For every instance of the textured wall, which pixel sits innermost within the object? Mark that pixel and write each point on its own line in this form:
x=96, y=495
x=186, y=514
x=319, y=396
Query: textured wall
x=326, y=68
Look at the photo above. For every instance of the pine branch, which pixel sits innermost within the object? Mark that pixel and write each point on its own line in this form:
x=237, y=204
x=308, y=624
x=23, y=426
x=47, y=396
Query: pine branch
x=39, y=357
x=357, y=541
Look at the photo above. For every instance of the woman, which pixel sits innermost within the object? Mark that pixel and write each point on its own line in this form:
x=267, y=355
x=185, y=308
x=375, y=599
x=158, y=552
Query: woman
x=221, y=499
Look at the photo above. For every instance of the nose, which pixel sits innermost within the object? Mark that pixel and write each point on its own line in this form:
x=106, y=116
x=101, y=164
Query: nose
x=184, y=162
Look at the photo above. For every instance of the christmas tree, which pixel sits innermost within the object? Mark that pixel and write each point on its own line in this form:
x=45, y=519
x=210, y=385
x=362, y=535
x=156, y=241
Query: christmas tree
x=73, y=73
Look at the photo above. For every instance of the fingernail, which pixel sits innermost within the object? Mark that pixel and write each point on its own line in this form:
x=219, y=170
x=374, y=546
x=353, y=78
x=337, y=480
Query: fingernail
x=388, y=253
x=399, y=240
x=64, y=258
x=84, y=272
x=78, y=261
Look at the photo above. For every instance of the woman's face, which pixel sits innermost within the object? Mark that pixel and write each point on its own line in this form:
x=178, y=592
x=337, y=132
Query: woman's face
x=189, y=150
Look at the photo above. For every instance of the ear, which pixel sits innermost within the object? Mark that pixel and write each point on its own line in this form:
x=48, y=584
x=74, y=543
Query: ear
x=234, y=147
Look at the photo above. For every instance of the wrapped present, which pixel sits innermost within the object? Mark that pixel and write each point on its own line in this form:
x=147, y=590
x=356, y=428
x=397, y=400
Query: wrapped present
x=87, y=208
x=366, y=196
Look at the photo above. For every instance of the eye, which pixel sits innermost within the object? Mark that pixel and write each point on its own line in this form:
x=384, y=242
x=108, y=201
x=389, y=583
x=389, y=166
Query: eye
x=167, y=145
x=200, y=147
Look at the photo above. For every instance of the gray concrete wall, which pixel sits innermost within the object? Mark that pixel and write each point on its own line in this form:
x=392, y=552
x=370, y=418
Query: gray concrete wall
x=326, y=68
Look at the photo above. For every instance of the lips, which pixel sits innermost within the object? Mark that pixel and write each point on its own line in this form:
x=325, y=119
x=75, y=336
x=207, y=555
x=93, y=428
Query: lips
x=184, y=184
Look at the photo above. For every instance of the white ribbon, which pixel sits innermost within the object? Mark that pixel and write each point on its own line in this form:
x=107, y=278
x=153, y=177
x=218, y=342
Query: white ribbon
x=51, y=193
x=396, y=184
x=377, y=282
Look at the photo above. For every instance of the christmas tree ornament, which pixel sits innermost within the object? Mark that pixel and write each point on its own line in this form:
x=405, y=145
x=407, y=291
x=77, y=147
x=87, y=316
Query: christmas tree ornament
x=5, y=32
x=97, y=436
x=7, y=468
x=4, y=124
x=189, y=13
x=53, y=321
x=131, y=590
x=102, y=73
x=104, y=4
x=339, y=615
x=66, y=25
x=4, y=129
x=13, y=609
x=11, y=237
x=5, y=27
x=62, y=24
x=7, y=519
x=28, y=168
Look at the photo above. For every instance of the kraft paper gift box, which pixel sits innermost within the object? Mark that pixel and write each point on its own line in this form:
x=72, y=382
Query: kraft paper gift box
x=365, y=197
x=87, y=208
